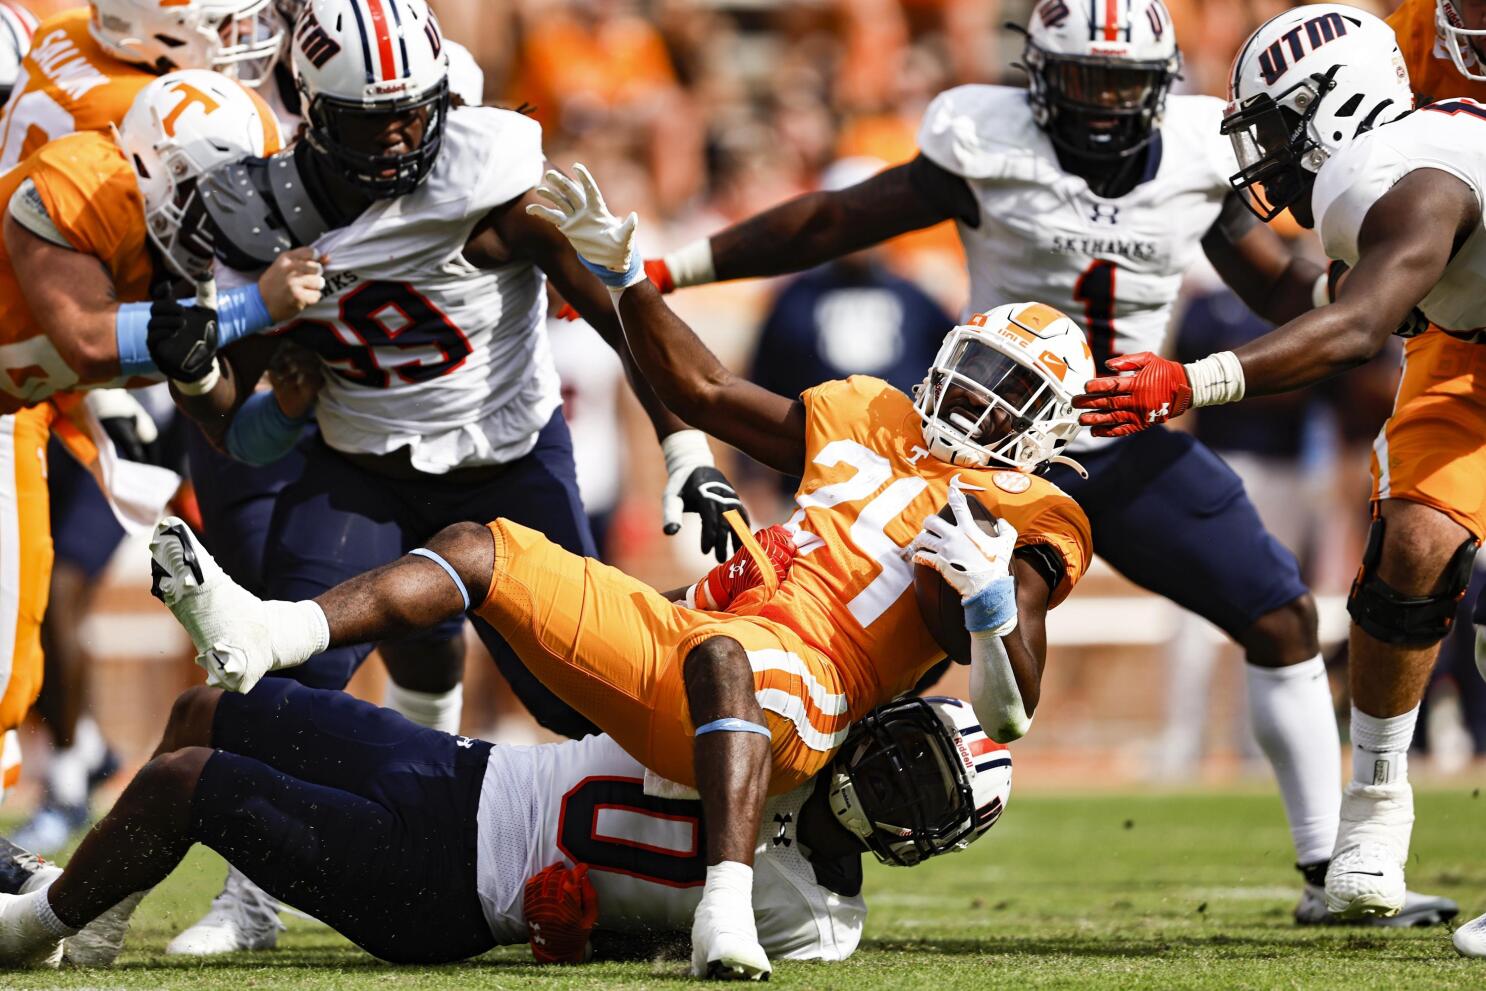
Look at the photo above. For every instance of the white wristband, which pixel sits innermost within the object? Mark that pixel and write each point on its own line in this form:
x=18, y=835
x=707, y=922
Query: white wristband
x=1216, y=379
x=1320, y=296
x=692, y=265
x=686, y=449
x=201, y=386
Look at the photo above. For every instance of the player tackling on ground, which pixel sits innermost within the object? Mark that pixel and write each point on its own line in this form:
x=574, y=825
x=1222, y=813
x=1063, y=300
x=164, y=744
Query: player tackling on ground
x=754, y=701
x=1321, y=123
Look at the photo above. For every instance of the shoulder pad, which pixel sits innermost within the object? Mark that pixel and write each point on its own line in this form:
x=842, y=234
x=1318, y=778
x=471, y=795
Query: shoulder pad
x=258, y=209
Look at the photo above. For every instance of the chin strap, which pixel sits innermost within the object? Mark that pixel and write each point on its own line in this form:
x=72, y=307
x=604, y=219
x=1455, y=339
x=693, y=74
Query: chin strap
x=1059, y=459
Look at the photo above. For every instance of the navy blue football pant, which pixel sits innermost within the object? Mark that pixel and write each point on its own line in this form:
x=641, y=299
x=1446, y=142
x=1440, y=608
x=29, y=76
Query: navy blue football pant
x=1171, y=516
x=338, y=520
x=351, y=813
x=84, y=530
x=236, y=502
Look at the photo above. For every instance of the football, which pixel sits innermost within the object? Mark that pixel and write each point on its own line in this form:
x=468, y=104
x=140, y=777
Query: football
x=938, y=603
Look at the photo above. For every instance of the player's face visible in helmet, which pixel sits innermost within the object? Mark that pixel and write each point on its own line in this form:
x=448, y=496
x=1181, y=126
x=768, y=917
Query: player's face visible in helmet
x=983, y=372
x=1102, y=105
x=381, y=133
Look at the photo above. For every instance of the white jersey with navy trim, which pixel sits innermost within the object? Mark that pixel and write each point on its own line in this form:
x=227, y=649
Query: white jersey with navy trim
x=1449, y=136
x=1114, y=265
x=423, y=349
x=584, y=801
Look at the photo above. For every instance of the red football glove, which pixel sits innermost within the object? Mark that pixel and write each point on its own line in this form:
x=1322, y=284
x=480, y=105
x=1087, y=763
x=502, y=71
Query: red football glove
x=1128, y=404
x=656, y=271
x=561, y=909
x=739, y=573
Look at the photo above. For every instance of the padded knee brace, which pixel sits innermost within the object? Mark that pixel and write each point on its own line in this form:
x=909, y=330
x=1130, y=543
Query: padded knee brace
x=1407, y=620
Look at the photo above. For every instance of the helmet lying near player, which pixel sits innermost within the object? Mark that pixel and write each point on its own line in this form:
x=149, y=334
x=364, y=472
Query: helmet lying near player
x=355, y=815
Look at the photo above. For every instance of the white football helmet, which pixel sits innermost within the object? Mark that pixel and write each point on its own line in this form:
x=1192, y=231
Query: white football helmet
x=237, y=37
x=360, y=60
x=1000, y=391
x=16, y=27
x=918, y=777
x=1098, y=73
x=1457, y=39
x=1306, y=83
x=178, y=127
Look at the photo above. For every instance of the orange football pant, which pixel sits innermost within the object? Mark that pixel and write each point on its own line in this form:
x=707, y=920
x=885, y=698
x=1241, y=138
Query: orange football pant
x=612, y=647
x=1432, y=450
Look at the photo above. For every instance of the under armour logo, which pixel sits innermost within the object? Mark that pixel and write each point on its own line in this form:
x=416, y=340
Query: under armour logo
x=736, y=569
x=783, y=820
x=463, y=742
x=1158, y=415
x=918, y=454
x=1101, y=213
x=719, y=492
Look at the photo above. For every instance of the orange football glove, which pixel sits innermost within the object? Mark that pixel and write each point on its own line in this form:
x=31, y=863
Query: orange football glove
x=655, y=269
x=561, y=909
x=740, y=572
x=1127, y=404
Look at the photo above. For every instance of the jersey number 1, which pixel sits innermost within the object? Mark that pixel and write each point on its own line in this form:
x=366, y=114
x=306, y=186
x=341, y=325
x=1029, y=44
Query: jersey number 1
x=1095, y=289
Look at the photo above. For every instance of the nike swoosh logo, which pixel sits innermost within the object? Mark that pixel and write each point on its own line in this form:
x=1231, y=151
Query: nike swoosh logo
x=1367, y=873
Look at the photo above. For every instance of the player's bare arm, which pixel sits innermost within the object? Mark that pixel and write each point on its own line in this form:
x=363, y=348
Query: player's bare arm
x=1272, y=279
x=71, y=295
x=818, y=227
x=1408, y=237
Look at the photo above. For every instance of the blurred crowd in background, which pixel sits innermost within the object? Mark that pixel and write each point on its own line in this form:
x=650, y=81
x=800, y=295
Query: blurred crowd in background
x=696, y=113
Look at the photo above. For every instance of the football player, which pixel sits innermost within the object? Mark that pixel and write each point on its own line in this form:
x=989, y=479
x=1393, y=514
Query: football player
x=754, y=701
x=1442, y=42
x=422, y=847
x=87, y=230
x=86, y=65
x=1322, y=125
x=1095, y=191
x=441, y=401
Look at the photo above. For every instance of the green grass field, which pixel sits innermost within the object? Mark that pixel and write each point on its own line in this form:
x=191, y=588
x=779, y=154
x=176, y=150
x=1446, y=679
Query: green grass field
x=1180, y=891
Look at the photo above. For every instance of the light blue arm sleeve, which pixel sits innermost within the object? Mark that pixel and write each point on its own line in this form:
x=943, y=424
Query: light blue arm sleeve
x=260, y=433
x=240, y=312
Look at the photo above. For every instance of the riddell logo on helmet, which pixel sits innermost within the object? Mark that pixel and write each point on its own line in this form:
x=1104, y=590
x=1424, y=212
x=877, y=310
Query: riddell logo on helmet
x=389, y=87
x=1299, y=42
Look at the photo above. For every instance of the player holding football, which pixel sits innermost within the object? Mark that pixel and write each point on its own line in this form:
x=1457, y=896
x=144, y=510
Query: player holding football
x=754, y=701
x=422, y=847
x=1321, y=124
x=1094, y=191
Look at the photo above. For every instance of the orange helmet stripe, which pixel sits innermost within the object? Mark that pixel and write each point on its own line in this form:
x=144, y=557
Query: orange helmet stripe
x=1037, y=316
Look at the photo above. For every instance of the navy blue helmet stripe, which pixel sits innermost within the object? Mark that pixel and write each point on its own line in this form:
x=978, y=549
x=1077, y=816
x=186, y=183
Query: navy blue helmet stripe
x=366, y=55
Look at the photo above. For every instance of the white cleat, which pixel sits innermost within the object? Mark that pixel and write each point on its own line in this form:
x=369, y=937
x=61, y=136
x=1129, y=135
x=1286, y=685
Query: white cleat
x=725, y=946
x=23, y=942
x=242, y=917
x=1365, y=879
x=99, y=943
x=227, y=623
x=1470, y=939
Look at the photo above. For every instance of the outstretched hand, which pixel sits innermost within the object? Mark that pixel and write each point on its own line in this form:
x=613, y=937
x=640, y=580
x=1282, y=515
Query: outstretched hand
x=606, y=245
x=1125, y=404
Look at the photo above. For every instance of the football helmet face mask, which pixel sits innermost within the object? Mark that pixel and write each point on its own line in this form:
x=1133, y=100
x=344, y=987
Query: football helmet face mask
x=364, y=66
x=1304, y=85
x=1098, y=73
x=917, y=777
x=237, y=37
x=17, y=24
x=1464, y=44
x=179, y=127
x=1000, y=391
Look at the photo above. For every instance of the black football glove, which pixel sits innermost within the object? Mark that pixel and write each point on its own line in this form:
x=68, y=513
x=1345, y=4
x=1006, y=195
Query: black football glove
x=182, y=340
x=709, y=494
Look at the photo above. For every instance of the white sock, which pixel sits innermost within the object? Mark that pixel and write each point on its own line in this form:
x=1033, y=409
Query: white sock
x=299, y=630
x=42, y=914
x=1291, y=715
x=730, y=881
x=436, y=710
x=1380, y=747
x=67, y=771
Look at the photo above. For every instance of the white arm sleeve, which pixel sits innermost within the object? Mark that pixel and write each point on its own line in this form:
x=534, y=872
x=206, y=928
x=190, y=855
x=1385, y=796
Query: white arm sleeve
x=993, y=691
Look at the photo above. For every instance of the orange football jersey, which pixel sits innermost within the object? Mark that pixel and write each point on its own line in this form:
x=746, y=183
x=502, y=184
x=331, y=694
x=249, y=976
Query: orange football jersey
x=1432, y=73
x=67, y=83
x=868, y=486
x=91, y=195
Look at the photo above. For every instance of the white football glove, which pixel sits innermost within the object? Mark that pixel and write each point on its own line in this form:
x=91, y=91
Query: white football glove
x=967, y=557
x=606, y=245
